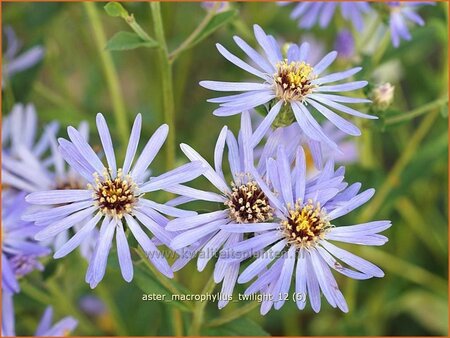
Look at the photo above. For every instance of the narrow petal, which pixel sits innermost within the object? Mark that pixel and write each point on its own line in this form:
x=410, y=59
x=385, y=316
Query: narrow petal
x=63, y=224
x=153, y=254
x=353, y=260
x=352, y=204
x=233, y=155
x=312, y=284
x=300, y=280
x=209, y=173
x=150, y=151
x=184, y=173
x=285, y=278
x=261, y=262
x=265, y=124
x=166, y=209
x=191, y=236
x=105, y=138
x=218, y=151
x=238, y=62
x=132, y=143
x=263, y=40
x=123, y=254
x=185, y=223
x=344, y=125
x=85, y=150
x=160, y=233
x=284, y=173
x=195, y=194
x=233, y=86
x=79, y=236
x=101, y=257
x=211, y=248
x=324, y=63
x=251, y=227
x=300, y=171
x=58, y=196
x=254, y=55
x=336, y=76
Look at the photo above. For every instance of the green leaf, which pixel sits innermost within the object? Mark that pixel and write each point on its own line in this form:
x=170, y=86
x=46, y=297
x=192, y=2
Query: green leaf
x=216, y=22
x=128, y=40
x=152, y=288
x=239, y=327
x=115, y=9
x=428, y=309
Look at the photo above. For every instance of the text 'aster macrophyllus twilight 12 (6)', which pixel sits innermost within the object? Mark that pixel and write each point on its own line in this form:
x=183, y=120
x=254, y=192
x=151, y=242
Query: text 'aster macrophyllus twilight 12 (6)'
x=289, y=86
x=115, y=197
x=300, y=234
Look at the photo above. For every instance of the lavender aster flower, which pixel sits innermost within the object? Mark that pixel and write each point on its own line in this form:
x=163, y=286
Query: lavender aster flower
x=298, y=241
x=14, y=63
x=309, y=13
x=291, y=87
x=317, y=154
x=8, y=320
x=345, y=44
x=115, y=197
x=244, y=205
x=45, y=327
x=20, y=252
x=400, y=14
x=23, y=153
x=62, y=178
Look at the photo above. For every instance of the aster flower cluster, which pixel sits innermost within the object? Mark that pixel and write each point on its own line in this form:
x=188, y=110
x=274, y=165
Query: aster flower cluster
x=275, y=198
x=398, y=15
x=277, y=215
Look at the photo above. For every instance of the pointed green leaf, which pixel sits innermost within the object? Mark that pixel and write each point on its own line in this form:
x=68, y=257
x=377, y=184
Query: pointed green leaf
x=128, y=40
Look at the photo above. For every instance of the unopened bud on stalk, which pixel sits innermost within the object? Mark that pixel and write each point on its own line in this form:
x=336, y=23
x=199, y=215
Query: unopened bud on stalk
x=382, y=96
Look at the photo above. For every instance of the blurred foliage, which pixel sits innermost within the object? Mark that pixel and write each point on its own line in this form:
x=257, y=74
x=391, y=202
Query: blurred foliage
x=406, y=161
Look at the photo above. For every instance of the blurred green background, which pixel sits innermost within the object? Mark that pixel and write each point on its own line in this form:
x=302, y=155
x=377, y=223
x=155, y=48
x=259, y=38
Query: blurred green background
x=404, y=159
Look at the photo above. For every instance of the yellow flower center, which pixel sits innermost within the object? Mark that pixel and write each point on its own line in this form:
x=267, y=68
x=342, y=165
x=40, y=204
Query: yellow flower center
x=293, y=80
x=115, y=197
x=306, y=224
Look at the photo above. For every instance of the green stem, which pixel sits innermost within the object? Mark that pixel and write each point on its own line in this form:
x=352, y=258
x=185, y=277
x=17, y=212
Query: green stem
x=394, y=175
x=137, y=28
x=233, y=315
x=165, y=67
x=199, y=309
x=106, y=297
x=110, y=73
x=177, y=323
x=187, y=43
x=418, y=111
x=165, y=282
